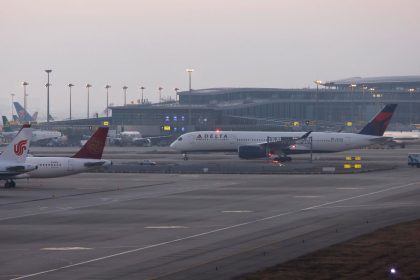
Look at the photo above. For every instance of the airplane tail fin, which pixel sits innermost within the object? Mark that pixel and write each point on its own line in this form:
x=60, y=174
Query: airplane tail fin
x=17, y=150
x=22, y=113
x=35, y=116
x=94, y=147
x=6, y=124
x=380, y=122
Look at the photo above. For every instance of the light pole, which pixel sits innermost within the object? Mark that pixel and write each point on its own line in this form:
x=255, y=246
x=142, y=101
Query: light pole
x=107, y=88
x=24, y=84
x=48, y=71
x=364, y=88
x=189, y=71
x=142, y=89
x=125, y=95
x=70, y=85
x=352, y=86
x=88, y=86
x=13, y=100
x=411, y=91
x=317, y=82
x=160, y=94
x=176, y=93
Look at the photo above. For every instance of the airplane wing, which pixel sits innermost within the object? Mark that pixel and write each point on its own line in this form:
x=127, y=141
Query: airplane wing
x=94, y=163
x=382, y=139
x=282, y=143
x=276, y=145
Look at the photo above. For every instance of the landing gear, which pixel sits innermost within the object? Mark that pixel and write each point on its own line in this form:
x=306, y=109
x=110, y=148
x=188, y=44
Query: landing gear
x=9, y=184
x=185, y=156
x=283, y=158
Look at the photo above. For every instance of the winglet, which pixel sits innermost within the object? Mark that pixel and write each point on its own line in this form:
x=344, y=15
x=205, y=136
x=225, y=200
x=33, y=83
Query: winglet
x=17, y=150
x=94, y=147
x=380, y=122
x=304, y=136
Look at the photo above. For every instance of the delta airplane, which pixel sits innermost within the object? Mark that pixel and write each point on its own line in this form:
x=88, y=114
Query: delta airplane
x=255, y=144
x=12, y=159
x=87, y=158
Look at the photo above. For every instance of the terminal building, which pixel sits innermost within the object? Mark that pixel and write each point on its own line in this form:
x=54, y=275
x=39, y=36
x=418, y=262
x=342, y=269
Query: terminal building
x=345, y=104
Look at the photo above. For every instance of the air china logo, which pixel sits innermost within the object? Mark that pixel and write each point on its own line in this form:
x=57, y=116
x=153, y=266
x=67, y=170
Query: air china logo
x=211, y=136
x=20, y=147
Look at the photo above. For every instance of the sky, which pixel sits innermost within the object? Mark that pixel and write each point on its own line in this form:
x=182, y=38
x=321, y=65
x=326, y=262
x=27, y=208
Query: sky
x=228, y=43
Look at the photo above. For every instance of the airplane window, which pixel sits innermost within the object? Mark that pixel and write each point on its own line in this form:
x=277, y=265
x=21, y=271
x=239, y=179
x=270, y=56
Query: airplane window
x=180, y=139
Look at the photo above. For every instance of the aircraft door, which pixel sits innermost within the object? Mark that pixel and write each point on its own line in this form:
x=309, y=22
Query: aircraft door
x=70, y=165
x=232, y=140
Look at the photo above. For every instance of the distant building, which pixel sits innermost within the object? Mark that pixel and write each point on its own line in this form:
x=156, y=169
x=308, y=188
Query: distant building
x=332, y=106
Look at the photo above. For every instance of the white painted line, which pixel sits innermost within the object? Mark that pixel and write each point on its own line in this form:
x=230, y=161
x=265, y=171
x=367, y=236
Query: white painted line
x=164, y=227
x=237, y=211
x=65, y=248
x=212, y=231
x=307, y=196
x=362, y=195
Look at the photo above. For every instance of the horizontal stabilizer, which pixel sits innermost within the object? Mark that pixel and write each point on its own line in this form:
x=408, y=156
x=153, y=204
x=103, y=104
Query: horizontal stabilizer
x=94, y=164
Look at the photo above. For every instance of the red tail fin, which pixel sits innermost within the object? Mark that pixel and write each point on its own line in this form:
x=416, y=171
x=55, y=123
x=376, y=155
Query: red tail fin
x=94, y=147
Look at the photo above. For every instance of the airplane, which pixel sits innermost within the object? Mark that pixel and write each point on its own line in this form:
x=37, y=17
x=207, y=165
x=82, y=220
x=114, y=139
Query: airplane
x=134, y=138
x=38, y=136
x=403, y=138
x=22, y=114
x=89, y=157
x=258, y=144
x=13, y=158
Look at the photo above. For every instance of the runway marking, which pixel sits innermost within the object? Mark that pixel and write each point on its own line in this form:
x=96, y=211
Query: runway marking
x=164, y=227
x=388, y=205
x=307, y=196
x=212, y=231
x=65, y=248
x=349, y=188
x=237, y=211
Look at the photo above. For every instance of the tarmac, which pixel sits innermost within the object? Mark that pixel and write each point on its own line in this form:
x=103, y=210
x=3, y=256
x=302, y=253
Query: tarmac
x=193, y=226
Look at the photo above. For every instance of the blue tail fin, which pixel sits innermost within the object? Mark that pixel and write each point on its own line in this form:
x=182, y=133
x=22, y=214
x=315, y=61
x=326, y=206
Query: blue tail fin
x=380, y=122
x=22, y=113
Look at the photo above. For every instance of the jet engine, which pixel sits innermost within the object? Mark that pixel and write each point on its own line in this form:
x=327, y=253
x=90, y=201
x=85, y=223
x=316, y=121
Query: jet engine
x=251, y=151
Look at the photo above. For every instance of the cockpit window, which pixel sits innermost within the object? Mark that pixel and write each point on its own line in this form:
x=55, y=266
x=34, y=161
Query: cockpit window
x=180, y=139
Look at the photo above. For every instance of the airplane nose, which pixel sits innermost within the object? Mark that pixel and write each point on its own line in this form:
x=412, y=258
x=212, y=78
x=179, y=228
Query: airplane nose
x=173, y=144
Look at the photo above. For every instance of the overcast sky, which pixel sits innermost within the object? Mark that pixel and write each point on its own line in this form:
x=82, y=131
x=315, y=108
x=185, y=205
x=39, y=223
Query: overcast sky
x=229, y=43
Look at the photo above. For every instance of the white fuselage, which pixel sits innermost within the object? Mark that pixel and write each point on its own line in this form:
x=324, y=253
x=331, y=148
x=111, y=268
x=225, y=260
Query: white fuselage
x=322, y=142
x=50, y=167
x=404, y=136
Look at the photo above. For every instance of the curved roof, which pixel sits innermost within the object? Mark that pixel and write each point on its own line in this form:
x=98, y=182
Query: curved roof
x=388, y=80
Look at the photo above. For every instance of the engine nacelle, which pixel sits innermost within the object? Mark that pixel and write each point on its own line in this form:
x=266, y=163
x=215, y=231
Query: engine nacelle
x=251, y=151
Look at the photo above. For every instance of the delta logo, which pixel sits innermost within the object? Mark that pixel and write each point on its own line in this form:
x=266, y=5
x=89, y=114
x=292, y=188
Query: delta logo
x=20, y=147
x=207, y=136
